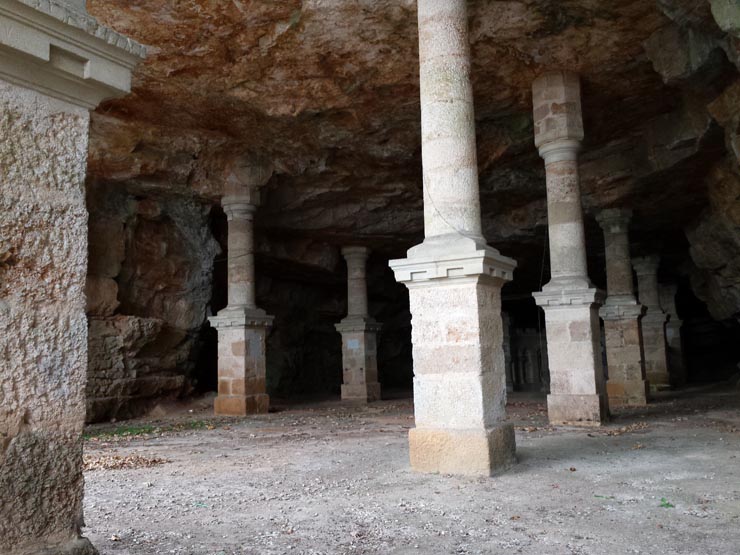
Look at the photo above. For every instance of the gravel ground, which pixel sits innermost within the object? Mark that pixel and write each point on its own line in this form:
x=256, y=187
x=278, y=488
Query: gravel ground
x=323, y=479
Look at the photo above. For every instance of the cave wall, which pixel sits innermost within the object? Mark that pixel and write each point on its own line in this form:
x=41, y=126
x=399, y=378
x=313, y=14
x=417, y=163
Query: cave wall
x=148, y=289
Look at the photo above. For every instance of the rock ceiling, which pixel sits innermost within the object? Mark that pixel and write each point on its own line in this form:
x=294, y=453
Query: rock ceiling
x=328, y=90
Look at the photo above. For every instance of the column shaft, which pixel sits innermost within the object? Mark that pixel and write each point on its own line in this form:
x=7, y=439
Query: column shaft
x=241, y=286
x=676, y=363
x=451, y=198
x=577, y=388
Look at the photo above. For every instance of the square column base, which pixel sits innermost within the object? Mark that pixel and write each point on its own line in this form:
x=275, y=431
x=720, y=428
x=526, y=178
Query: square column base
x=459, y=368
x=462, y=452
x=241, y=405
x=362, y=393
x=577, y=410
x=656, y=356
x=242, y=365
x=628, y=393
x=626, y=367
x=359, y=359
x=577, y=383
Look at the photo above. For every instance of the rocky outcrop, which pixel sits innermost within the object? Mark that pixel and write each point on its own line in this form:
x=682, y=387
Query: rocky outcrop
x=148, y=289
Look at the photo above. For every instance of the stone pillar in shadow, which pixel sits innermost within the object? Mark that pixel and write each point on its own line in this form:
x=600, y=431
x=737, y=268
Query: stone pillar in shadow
x=359, y=334
x=56, y=64
x=242, y=326
x=653, y=323
x=570, y=301
x=621, y=314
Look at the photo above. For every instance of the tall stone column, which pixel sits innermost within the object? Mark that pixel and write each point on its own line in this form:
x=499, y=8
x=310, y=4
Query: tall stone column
x=674, y=353
x=621, y=314
x=577, y=388
x=653, y=323
x=454, y=278
x=359, y=334
x=56, y=64
x=242, y=327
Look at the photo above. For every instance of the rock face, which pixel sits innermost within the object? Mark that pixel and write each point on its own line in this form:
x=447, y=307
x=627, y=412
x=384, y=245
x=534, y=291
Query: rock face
x=148, y=287
x=328, y=92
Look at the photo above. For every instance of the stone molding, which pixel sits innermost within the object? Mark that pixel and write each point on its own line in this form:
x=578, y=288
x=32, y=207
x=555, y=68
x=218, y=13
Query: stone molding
x=236, y=209
x=614, y=220
x=560, y=150
x=358, y=324
x=62, y=52
x=241, y=317
x=570, y=297
x=356, y=253
x=655, y=316
x=621, y=311
x=423, y=270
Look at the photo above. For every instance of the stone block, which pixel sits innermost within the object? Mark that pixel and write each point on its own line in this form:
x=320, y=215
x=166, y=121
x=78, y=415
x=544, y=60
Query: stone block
x=101, y=296
x=241, y=405
x=577, y=410
x=557, y=107
x=484, y=452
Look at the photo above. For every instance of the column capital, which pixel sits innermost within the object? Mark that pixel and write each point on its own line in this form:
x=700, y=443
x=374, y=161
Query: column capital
x=646, y=265
x=556, y=97
x=614, y=220
x=560, y=150
x=355, y=253
x=57, y=49
x=238, y=209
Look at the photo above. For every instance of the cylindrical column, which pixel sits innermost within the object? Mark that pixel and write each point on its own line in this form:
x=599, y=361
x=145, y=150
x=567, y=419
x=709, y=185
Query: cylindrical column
x=558, y=135
x=356, y=258
x=646, y=269
x=615, y=223
x=451, y=198
x=241, y=286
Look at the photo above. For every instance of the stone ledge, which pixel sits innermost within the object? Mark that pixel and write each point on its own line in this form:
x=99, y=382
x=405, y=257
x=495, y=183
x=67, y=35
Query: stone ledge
x=568, y=298
x=358, y=324
x=621, y=311
x=241, y=318
x=85, y=22
x=484, y=262
x=64, y=53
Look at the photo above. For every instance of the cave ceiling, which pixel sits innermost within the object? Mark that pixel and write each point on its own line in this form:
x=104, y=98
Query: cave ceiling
x=327, y=90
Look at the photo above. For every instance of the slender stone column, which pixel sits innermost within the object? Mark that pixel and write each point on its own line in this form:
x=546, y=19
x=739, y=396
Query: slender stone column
x=506, y=321
x=676, y=361
x=577, y=388
x=454, y=278
x=242, y=327
x=359, y=334
x=56, y=64
x=653, y=323
x=621, y=314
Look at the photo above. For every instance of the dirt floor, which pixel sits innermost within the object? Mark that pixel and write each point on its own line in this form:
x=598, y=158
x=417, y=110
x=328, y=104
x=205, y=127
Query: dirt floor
x=324, y=478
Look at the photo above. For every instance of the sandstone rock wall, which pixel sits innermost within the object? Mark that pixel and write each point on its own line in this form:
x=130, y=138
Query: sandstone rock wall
x=149, y=286
x=43, y=332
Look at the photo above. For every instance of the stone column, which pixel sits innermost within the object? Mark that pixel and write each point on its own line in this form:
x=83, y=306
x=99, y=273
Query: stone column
x=621, y=314
x=454, y=278
x=242, y=327
x=359, y=334
x=577, y=388
x=56, y=64
x=653, y=323
x=674, y=353
x=506, y=322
